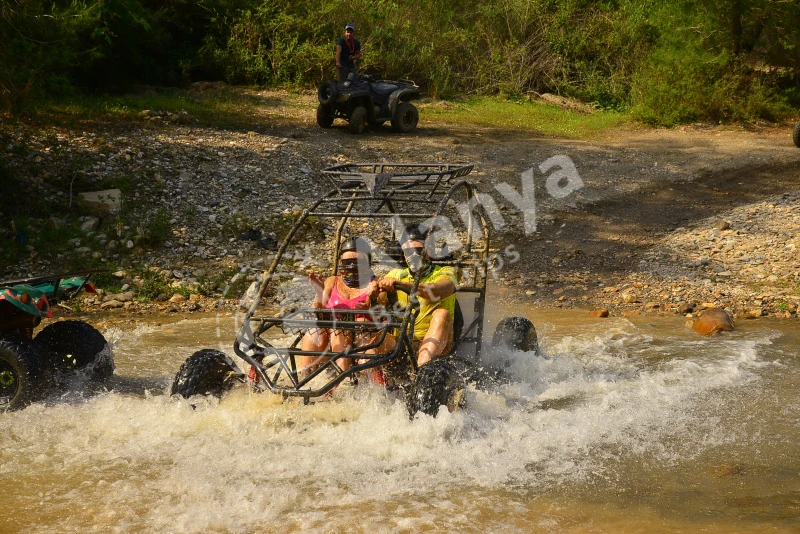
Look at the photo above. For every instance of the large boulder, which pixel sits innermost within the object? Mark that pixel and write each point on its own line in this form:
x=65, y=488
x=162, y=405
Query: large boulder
x=713, y=321
x=101, y=203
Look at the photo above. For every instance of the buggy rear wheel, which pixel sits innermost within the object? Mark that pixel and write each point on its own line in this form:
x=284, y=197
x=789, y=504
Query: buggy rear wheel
x=358, y=120
x=206, y=372
x=324, y=117
x=437, y=384
x=796, y=135
x=405, y=118
x=75, y=345
x=23, y=377
x=516, y=333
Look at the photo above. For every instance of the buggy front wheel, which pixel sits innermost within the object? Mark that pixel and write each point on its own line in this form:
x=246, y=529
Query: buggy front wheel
x=206, y=372
x=437, y=384
x=405, y=118
x=23, y=378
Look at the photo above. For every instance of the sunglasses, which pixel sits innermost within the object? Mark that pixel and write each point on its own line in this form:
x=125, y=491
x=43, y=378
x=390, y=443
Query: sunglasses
x=410, y=251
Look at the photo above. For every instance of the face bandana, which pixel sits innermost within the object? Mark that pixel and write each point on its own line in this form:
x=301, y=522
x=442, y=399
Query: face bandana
x=417, y=260
x=355, y=272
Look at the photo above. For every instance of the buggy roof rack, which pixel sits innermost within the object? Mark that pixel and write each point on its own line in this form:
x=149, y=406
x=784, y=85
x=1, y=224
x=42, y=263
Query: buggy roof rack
x=400, y=181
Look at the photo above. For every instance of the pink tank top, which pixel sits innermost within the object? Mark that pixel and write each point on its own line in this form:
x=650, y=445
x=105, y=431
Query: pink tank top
x=336, y=301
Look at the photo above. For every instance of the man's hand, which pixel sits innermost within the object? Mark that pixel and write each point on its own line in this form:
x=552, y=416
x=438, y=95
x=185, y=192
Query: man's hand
x=387, y=284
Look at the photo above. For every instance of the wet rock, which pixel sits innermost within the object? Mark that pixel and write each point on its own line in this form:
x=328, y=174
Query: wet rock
x=111, y=304
x=713, y=321
x=602, y=312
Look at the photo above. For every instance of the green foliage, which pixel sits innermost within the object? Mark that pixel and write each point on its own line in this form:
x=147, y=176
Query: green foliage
x=157, y=229
x=712, y=60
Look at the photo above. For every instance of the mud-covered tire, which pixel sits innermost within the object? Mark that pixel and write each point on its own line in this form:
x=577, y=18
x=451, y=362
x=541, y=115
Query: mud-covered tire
x=516, y=333
x=405, y=118
x=796, y=135
x=324, y=117
x=437, y=384
x=206, y=372
x=23, y=375
x=358, y=120
x=327, y=93
x=76, y=346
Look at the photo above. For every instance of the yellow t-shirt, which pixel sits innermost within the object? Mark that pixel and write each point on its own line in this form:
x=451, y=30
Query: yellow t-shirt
x=426, y=307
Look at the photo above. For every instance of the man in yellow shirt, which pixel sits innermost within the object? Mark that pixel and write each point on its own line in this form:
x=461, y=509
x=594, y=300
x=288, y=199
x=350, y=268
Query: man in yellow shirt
x=436, y=292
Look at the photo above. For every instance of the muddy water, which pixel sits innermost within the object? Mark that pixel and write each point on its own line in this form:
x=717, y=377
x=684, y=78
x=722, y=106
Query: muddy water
x=618, y=426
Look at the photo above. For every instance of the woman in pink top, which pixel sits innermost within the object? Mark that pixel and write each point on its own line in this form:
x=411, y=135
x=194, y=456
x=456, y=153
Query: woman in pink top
x=355, y=289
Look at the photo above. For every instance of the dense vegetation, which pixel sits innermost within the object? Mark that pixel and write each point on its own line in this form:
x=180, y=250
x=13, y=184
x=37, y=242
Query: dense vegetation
x=667, y=61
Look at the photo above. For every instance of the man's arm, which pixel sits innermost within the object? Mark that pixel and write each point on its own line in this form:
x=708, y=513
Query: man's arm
x=433, y=291
x=338, y=55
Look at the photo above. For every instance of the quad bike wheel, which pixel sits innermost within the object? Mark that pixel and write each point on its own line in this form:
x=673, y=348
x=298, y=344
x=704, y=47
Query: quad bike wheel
x=796, y=135
x=358, y=120
x=324, y=117
x=437, y=384
x=516, y=333
x=206, y=372
x=76, y=346
x=327, y=93
x=405, y=118
x=23, y=377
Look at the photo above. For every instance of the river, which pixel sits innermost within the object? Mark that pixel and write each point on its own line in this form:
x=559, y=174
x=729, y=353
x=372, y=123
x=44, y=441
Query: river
x=617, y=426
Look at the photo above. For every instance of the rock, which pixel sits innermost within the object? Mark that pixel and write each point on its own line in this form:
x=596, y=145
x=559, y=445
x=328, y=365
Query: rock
x=631, y=313
x=101, y=203
x=712, y=321
x=194, y=306
x=194, y=297
x=111, y=304
x=122, y=297
x=629, y=298
x=177, y=297
x=686, y=307
x=722, y=225
x=54, y=223
x=90, y=224
x=651, y=305
x=602, y=312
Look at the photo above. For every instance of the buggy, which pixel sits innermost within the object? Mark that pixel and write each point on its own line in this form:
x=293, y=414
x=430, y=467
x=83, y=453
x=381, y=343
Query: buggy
x=373, y=200
x=30, y=367
x=367, y=102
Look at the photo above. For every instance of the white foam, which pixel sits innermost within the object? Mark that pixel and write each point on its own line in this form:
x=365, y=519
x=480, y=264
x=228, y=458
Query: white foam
x=252, y=463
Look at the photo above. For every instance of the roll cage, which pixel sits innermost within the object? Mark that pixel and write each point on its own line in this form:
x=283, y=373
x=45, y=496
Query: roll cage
x=372, y=191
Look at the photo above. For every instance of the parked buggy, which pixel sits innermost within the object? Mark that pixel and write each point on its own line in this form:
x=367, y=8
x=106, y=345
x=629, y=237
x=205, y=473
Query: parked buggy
x=31, y=367
x=385, y=196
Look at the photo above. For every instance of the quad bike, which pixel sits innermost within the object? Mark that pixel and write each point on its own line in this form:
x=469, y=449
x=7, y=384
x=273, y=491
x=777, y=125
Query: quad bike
x=30, y=367
x=367, y=102
x=375, y=201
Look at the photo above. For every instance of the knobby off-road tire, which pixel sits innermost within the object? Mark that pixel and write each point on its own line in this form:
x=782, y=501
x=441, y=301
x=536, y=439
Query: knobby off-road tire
x=405, y=118
x=206, y=372
x=324, y=117
x=76, y=346
x=796, y=135
x=23, y=375
x=437, y=384
x=327, y=93
x=516, y=333
x=358, y=120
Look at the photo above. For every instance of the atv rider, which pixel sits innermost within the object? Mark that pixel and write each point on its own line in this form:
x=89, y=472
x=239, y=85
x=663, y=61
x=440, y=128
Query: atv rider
x=348, y=50
x=433, y=329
